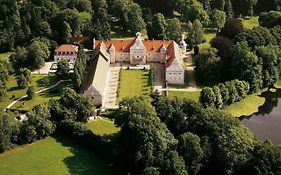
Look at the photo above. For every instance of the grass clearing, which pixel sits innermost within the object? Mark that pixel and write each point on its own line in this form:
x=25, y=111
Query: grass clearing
x=251, y=22
x=249, y=105
x=4, y=56
x=189, y=95
x=44, y=97
x=102, y=126
x=134, y=83
x=53, y=155
x=12, y=88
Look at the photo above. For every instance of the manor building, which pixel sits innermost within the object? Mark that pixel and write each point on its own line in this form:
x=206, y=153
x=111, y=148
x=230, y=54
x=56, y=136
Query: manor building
x=139, y=52
x=134, y=52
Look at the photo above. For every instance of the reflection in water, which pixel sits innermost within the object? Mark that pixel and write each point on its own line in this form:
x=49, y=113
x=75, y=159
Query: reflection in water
x=266, y=123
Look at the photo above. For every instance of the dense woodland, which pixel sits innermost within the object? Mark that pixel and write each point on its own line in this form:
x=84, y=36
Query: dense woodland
x=161, y=135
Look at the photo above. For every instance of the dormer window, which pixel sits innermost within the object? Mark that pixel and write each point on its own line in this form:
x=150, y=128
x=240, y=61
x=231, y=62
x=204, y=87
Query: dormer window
x=153, y=48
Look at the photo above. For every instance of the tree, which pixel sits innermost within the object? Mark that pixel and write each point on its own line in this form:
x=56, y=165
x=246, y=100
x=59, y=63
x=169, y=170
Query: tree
x=196, y=34
x=9, y=24
x=151, y=171
x=30, y=92
x=208, y=66
x=129, y=15
x=258, y=36
x=143, y=136
x=189, y=147
x=265, y=159
x=174, y=164
x=232, y=28
x=157, y=27
x=101, y=20
x=246, y=66
x=207, y=97
x=37, y=53
x=4, y=74
x=22, y=82
x=8, y=131
x=270, y=19
x=80, y=5
x=79, y=69
x=27, y=74
x=224, y=94
x=18, y=59
x=271, y=63
x=173, y=29
x=62, y=70
x=219, y=19
x=229, y=9
x=191, y=10
x=218, y=101
x=80, y=105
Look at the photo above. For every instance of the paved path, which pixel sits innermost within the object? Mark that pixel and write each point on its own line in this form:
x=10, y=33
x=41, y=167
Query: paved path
x=45, y=69
x=40, y=91
x=190, y=71
x=113, y=82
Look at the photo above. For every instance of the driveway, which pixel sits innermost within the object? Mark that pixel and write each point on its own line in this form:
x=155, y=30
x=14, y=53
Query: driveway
x=159, y=76
x=45, y=69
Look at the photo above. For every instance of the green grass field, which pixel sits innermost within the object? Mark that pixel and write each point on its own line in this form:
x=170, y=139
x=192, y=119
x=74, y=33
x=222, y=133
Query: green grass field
x=13, y=89
x=249, y=105
x=134, y=83
x=102, y=126
x=251, y=22
x=44, y=97
x=189, y=95
x=53, y=156
x=4, y=56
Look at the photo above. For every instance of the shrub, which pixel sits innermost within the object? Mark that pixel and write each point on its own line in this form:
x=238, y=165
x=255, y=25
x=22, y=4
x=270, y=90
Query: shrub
x=30, y=92
x=207, y=97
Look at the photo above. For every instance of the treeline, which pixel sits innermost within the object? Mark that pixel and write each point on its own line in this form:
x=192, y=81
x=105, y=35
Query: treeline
x=253, y=55
x=58, y=21
x=224, y=94
x=180, y=137
x=66, y=114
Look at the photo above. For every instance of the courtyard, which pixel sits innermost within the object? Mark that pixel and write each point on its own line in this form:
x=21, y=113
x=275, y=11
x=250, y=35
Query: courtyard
x=134, y=83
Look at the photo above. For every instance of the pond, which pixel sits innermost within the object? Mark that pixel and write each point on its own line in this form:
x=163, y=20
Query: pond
x=266, y=123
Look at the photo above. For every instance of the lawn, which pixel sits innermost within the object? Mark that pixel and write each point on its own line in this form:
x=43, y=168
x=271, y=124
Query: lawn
x=249, y=105
x=251, y=22
x=4, y=56
x=53, y=155
x=209, y=35
x=134, y=83
x=189, y=95
x=44, y=97
x=13, y=89
x=102, y=126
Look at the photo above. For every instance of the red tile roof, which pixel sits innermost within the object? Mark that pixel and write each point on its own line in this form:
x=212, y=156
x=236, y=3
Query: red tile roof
x=151, y=46
x=125, y=45
x=66, y=48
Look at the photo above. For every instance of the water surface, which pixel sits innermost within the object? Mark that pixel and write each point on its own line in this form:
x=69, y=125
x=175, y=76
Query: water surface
x=266, y=123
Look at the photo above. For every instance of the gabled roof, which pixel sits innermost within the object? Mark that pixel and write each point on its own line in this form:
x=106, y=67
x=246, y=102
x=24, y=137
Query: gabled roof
x=125, y=45
x=67, y=48
x=98, y=68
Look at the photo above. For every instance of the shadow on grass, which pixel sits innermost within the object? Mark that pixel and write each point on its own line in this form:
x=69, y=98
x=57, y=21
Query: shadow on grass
x=84, y=161
x=47, y=81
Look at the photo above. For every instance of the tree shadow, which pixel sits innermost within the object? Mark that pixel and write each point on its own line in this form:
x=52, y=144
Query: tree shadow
x=83, y=161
